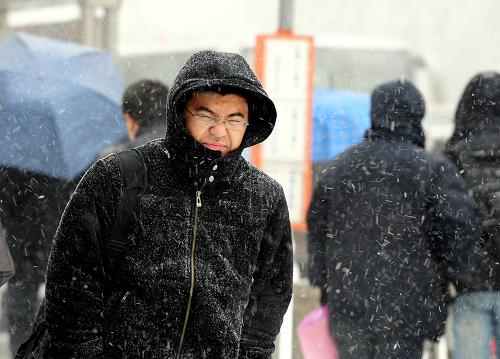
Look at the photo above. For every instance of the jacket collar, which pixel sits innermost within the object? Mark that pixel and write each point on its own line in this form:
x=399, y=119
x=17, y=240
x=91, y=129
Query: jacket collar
x=199, y=166
x=414, y=136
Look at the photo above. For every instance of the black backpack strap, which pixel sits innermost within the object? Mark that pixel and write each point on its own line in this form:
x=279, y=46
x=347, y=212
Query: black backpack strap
x=133, y=172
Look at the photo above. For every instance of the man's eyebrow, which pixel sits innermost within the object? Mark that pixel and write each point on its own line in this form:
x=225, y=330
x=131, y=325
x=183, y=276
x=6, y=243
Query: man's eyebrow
x=206, y=109
x=236, y=114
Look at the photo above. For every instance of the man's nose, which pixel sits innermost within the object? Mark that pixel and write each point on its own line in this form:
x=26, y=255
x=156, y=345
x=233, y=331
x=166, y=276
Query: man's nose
x=218, y=130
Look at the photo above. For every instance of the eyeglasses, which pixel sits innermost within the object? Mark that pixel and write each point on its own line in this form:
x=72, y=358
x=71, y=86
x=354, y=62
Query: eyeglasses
x=209, y=121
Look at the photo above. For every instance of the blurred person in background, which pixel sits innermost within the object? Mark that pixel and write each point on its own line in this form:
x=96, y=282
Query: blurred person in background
x=389, y=225
x=475, y=148
x=6, y=262
x=144, y=108
x=206, y=270
x=30, y=208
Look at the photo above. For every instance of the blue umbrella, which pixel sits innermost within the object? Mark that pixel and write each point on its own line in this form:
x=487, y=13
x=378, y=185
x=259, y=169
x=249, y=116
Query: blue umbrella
x=59, y=105
x=340, y=119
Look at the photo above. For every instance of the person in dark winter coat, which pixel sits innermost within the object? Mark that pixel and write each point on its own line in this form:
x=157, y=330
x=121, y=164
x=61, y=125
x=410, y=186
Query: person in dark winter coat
x=475, y=148
x=144, y=106
x=389, y=224
x=207, y=269
x=30, y=208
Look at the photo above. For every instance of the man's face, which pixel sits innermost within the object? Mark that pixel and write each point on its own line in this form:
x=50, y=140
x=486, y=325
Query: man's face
x=132, y=127
x=217, y=121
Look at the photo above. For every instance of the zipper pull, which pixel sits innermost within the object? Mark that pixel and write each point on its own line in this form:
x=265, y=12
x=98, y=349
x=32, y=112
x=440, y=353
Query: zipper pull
x=125, y=296
x=198, y=199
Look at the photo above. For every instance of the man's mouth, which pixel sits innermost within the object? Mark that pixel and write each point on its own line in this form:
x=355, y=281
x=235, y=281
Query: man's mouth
x=215, y=146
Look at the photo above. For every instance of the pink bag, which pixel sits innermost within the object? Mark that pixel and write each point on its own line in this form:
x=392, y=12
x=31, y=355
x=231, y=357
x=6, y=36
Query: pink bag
x=314, y=335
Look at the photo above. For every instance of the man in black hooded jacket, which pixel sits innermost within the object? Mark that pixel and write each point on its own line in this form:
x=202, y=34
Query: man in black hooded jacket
x=207, y=268
x=388, y=225
x=475, y=148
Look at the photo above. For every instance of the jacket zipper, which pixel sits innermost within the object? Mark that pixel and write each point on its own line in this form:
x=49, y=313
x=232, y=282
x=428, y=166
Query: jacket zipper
x=191, y=289
x=124, y=298
x=117, y=309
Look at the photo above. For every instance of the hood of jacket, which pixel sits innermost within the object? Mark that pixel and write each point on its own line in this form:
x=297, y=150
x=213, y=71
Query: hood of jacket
x=479, y=108
x=215, y=71
x=397, y=109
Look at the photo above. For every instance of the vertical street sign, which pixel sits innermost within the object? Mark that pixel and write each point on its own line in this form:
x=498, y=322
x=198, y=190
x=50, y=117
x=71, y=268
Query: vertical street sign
x=285, y=62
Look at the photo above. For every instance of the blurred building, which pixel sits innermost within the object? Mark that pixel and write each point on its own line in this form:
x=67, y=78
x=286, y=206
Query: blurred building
x=92, y=22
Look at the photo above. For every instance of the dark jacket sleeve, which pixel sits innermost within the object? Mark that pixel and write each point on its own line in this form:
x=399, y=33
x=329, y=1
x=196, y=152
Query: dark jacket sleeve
x=272, y=287
x=317, y=236
x=75, y=277
x=454, y=228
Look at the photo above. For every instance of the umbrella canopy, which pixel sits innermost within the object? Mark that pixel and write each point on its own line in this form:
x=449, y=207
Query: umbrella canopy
x=340, y=119
x=59, y=105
